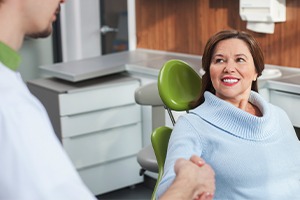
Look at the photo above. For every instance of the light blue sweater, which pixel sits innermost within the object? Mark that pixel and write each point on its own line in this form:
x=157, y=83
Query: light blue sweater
x=253, y=157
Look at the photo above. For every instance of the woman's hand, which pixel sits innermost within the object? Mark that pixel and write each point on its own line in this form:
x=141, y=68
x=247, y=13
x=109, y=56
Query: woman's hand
x=194, y=180
x=198, y=175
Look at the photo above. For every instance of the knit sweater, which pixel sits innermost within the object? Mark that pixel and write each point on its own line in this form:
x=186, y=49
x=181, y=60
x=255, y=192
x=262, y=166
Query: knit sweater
x=253, y=157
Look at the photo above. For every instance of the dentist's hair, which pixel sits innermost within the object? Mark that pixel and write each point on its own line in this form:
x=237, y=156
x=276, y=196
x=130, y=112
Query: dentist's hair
x=209, y=49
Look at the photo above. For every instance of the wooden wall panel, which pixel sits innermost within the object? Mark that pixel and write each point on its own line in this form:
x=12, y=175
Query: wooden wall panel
x=185, y=25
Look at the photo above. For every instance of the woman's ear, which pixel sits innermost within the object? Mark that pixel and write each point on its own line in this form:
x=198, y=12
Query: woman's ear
x=255, y=77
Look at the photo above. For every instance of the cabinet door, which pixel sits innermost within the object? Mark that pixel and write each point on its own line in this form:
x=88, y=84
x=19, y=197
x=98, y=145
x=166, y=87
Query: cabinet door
x=111, y=176
x=104, y=146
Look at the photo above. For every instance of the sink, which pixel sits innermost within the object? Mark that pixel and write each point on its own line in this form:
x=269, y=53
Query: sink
x=270, y=74
x=290, y=84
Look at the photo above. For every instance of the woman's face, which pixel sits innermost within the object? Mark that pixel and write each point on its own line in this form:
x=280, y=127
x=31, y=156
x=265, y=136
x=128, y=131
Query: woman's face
x=232, y=70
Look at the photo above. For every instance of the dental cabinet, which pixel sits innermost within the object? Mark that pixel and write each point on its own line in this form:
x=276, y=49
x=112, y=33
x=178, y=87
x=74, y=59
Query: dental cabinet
x=99, y=125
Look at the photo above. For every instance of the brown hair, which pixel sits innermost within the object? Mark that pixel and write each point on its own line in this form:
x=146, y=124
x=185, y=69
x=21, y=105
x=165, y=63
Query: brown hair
x=209, y=49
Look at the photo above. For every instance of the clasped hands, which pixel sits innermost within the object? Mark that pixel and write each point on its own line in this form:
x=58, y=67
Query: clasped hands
x=199, y=175
x=194, y=180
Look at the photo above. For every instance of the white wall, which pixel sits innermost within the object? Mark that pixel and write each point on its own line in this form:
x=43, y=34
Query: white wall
x=34, y=53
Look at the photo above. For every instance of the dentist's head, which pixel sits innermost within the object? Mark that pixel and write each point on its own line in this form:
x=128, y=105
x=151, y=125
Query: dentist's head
x=40, y=17
x=30, y=18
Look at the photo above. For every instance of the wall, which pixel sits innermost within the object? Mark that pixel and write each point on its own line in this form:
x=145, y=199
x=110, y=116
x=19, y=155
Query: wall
x=34, y=53
x=185, y=25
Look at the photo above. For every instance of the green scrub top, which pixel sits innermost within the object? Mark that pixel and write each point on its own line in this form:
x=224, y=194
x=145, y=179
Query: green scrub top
x=9, y=57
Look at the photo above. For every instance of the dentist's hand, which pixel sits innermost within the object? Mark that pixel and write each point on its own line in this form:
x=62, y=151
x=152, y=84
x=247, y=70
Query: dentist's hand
x=194, y=180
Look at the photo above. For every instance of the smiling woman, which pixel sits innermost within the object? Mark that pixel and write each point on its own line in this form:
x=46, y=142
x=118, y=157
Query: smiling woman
x=253, y=48
x=232, y=71
x=234, y=129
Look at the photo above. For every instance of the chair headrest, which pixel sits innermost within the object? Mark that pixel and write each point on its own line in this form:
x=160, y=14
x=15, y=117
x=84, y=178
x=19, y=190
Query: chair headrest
x=179, y=85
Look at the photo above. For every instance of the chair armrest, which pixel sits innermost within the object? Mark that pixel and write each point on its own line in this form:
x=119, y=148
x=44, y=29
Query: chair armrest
x=148, y=95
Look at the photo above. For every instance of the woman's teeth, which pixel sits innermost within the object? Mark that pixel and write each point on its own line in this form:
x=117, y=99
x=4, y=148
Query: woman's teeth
x=230, y=80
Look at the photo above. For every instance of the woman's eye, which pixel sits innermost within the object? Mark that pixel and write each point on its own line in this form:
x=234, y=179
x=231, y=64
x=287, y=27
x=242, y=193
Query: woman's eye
x=240, y=60
x=219, y=60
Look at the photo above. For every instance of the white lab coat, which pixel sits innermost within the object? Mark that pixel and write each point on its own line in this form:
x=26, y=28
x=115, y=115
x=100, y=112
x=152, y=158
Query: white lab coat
x=33, y=164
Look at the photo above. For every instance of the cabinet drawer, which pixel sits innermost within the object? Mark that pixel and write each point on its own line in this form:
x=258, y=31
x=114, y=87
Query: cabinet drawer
x=111, y=176
x=104, y=146
x=288, y=102
x=97, y=98
x=99, y=120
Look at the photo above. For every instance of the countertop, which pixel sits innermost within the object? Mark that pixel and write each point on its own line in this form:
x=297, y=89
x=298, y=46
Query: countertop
x=149, y=62
x=140, y=60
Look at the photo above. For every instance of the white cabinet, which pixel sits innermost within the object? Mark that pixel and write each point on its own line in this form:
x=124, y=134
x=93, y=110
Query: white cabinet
x=288, y=102
x=99, y=125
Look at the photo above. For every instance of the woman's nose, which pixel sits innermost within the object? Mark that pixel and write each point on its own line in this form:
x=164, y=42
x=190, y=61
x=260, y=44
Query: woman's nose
x=229, y=67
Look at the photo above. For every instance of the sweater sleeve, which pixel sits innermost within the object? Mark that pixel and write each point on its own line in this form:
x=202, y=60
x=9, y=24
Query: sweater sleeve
x=184, y=143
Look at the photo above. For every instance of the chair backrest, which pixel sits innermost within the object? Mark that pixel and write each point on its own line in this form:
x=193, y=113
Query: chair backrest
x=179, y=86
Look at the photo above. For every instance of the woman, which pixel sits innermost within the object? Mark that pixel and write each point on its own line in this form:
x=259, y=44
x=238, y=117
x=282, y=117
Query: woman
x=251, y=144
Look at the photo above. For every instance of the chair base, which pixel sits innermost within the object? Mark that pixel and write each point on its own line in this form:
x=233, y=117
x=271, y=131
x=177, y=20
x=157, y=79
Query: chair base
x=142, y=172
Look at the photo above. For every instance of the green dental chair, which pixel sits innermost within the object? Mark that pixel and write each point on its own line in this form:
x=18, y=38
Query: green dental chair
x=179, y=86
